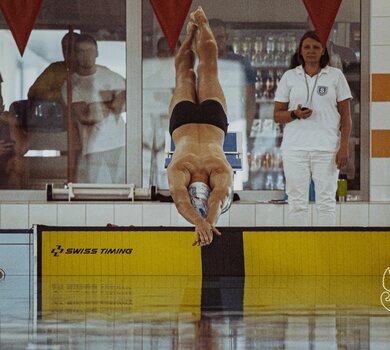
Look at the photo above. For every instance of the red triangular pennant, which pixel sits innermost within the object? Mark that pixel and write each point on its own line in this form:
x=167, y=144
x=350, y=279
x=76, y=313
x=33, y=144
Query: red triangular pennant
x=322, y=15
x=20, y=16
x=171, y=15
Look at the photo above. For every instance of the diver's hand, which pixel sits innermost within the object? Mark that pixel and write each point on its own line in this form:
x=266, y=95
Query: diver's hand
x=204, y=232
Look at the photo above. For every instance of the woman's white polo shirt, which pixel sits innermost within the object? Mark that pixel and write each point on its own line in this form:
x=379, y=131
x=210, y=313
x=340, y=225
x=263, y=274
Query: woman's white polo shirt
x=321, y=131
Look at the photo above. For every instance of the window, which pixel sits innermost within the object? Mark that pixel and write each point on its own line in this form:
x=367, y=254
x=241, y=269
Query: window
x=50, y=143
x=265, y=32
x=267, y=38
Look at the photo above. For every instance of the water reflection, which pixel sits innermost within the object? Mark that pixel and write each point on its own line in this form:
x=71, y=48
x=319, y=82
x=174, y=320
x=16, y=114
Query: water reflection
x=166, y=312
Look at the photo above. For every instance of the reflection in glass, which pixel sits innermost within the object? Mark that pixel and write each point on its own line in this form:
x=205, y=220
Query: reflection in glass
x=269, y=46
x=258, y=54
x=41, y=114
x=97, y=103
x=158, y=83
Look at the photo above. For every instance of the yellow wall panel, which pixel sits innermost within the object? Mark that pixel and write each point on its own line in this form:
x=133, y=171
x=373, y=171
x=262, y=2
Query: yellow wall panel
x=320, y=253
x=380, y=87
x=103, y=252
x=380, y=143
x=161, y=274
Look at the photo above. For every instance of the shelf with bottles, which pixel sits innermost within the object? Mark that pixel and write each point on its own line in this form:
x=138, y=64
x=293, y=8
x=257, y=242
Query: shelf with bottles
x=266, y=168
x=266, y=127
x=264, y=155
x=267, y=80
x=266, y=47
x=266, y=180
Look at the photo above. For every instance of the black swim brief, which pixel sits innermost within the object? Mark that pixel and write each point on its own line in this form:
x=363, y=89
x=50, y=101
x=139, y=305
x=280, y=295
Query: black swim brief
x=207, y=112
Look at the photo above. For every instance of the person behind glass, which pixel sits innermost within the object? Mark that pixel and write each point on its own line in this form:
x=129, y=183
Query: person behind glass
x=98, y=99
x=13, y=145
x=313, y=100
x=341, y=57
x=226, y=52
x=47, y=87
x=163, y=50
x=200, y=178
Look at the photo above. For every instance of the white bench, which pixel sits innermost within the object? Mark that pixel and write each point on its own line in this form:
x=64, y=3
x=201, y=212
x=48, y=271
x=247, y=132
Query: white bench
x=232, y=148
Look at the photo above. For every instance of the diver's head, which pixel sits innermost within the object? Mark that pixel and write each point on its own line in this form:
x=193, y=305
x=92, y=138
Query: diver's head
x=199, y=194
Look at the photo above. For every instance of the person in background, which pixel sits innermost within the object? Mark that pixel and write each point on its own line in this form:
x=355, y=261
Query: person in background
x=313, y=100
x=46, y=90
x=98, y=100
x=341, y=57
x=199, y=175
x=47, y=87
x=155, y=113
x=13, y=145
x=163, y=49
x=225, y=52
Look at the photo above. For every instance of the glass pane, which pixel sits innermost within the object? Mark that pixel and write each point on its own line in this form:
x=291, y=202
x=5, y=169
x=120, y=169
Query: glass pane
x=265, y=34
x=53, y=143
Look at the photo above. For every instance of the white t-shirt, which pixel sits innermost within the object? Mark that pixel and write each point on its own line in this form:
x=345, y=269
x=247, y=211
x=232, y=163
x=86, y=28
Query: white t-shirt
x=321, y=131
x=110, y=132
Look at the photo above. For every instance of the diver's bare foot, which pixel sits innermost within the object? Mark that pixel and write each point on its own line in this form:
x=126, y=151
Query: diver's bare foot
x=198, y=16
x=188, y=40
x=191, y=28
x=187, y=44
x=186, y=54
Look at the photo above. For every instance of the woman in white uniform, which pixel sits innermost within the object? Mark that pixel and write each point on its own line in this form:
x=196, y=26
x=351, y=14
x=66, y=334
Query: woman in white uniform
x=313, y=101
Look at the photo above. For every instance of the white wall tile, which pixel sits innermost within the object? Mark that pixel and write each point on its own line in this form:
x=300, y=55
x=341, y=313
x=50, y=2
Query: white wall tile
x=380, y=59
x=380, y=114
x=242, y=214
x=128, y=214
x=380, y=8
x=353, y=214
x=380, y=31
x=156, y=214
x=99, y=214
x=71, y=214
x=224, y=219
x=176, y=218
x=315, y=216
x=14, y=216
x=309, y=214
x=43, y=214
x=269, y=214
x=380, y=171
x=379, y=214
x=379, y=193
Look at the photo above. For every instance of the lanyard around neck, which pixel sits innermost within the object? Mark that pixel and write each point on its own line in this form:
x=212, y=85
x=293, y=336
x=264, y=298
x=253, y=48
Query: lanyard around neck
x=310, y=96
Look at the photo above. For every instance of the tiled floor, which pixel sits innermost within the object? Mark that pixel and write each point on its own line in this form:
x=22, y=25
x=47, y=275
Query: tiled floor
x=167, y=312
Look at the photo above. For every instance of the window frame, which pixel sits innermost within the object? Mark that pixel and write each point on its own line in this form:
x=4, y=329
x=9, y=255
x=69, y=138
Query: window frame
x=134, y=101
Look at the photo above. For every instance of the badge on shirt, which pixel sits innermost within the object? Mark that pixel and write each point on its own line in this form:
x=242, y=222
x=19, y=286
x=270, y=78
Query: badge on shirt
x=322, y=90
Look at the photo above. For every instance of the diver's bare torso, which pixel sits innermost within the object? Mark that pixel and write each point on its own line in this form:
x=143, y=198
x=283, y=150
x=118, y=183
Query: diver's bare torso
x=199, y=153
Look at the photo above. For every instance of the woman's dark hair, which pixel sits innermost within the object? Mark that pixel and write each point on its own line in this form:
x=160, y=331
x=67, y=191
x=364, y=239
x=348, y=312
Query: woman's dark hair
x=298, y=59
